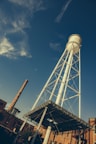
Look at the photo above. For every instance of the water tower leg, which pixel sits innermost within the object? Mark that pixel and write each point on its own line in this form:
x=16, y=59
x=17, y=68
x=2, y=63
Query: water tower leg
x=41, y=120
x=47, y=135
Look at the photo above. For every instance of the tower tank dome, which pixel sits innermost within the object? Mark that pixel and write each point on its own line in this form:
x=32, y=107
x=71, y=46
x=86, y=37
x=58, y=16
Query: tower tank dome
x=74, y=43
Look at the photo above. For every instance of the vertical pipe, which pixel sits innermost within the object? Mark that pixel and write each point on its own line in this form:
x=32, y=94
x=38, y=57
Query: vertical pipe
x=79, y=84
x=41, y=120
x=47, y=135
x=66, y=84
x=58, y=77
x=64, y=78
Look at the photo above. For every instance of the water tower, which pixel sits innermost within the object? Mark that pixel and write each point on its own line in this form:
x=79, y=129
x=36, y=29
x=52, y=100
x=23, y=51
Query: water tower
x=58, y=106
x=63, y=86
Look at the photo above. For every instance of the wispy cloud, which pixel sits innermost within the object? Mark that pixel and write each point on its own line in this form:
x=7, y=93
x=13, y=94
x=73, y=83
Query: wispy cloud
x=63, y=10
x=32, y=5
x=55, y=46
x=14, y=20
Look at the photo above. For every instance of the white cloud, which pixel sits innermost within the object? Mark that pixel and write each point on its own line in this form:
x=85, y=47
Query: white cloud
x=9, y=51
x=63, y=10
x=6, y=48
x=24, y=53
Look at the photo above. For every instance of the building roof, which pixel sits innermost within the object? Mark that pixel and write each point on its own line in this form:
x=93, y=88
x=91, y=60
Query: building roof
x=60, y=119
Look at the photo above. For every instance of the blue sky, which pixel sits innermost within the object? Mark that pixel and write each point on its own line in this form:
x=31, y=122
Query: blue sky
x=33, y=35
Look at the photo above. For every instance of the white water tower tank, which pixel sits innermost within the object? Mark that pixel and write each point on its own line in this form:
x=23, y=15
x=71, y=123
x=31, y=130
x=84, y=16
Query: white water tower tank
x=74, y=43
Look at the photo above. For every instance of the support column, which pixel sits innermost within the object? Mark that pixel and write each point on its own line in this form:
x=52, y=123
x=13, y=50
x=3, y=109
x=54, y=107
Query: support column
x=64, y=79
x=47, y=135
x=41, y=120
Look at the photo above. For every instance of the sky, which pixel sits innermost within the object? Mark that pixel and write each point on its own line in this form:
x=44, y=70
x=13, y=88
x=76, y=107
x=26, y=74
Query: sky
x=33, y=35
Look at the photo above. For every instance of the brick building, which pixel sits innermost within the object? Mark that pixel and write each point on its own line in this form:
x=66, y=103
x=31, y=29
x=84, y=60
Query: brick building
x=10, y=125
